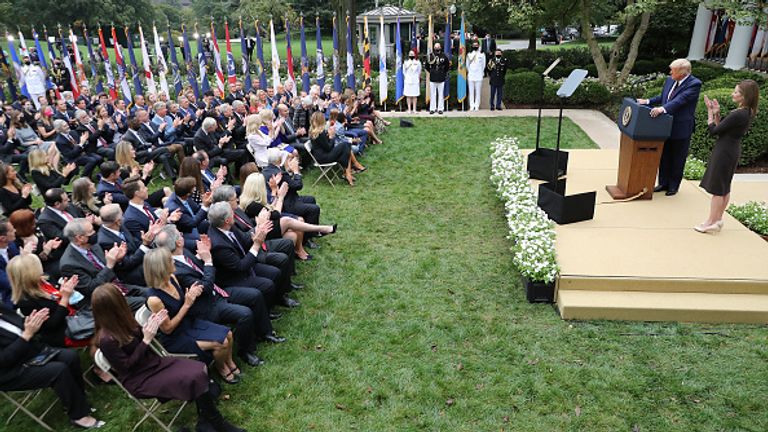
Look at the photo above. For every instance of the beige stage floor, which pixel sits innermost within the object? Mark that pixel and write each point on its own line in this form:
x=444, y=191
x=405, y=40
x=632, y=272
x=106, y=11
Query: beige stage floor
x=642, y=260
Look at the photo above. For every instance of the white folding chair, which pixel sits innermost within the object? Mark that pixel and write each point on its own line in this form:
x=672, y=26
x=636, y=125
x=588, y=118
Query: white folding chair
x=142, y=316
x=149, y=412
x=22, y=404
x=325, y=168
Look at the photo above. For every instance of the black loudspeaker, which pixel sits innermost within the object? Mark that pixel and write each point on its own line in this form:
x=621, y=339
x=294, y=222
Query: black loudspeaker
x=565, y=209
x=541, y=163
x=406, y=123
x=539, y=292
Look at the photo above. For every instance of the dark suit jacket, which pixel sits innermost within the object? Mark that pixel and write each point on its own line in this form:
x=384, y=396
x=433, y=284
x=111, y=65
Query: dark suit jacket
x=131, y=268
x=187, y=222
x=682, y=106
x=187, y=276
x=69, y=152
x=232, y=265
x=14, y=350
x=74, y=263
x=118, y=197
x=150, y=133
x=208, y=142
x=5, y=284
x=123, y=121
x=135, y=221
x=52, y=226
x=58, y=115
x=294, y=181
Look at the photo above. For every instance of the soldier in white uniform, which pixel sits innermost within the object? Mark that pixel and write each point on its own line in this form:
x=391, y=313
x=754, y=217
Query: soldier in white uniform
x=475, y=72
x=35, y=80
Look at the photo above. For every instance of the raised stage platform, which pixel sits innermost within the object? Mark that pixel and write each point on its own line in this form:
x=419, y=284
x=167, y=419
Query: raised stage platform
x=642, y=260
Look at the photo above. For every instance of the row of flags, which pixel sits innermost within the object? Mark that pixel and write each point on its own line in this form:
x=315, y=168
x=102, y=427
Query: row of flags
x=118, y=81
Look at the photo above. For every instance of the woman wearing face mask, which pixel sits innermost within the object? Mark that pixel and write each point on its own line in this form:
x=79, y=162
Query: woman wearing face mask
x=412, y=72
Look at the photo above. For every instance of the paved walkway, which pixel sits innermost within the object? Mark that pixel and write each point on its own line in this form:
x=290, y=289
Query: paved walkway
x=601, y=129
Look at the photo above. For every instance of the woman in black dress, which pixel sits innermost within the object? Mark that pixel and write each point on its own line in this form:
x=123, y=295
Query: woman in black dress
x=725, y=155
x=142, y=372
x=13, y=195
x=325, y=150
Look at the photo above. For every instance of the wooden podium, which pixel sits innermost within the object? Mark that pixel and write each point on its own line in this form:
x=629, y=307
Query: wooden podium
x=641, y=144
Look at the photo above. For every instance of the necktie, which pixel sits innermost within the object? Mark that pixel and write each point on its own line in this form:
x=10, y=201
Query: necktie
x=149, y=213
x=69, y=137
x=243, y=221
x=217, y=289
x=67, y=216
x=674, y=88
x=99, y=266
x=237, y=243
x=102, y=142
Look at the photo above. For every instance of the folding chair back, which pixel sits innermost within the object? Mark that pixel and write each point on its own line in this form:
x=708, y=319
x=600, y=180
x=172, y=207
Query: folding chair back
x=149, y=412
x=325, y=168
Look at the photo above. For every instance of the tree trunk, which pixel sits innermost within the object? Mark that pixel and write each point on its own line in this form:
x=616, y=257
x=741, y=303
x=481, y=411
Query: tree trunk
x=634, y=48
x=594, y=47
x=532, y=36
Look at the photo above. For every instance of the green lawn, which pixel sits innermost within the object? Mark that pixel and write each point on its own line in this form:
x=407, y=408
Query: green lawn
x=576, y=44
x=414, y=319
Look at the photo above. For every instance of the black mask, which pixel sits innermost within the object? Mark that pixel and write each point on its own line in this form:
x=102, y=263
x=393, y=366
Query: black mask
x=498, y=57
x=438, y=50
x=474, y=48
x=27, y=62
x=411, y=57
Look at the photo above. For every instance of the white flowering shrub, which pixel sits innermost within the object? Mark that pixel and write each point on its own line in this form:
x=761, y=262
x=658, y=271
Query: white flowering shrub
x=753, y=214
x=530, y=230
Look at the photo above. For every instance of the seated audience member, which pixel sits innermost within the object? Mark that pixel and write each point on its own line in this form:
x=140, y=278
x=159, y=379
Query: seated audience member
x=193, y=219
x=8, y=250
x=129, y=167
x=211, y=181
x=20, y=371
x=289, y=134
x=240, y=259
x=354, y=122
x=218, y=146
x=140, y=215
x=27, y=235
x=54, y=217
x=304, y=206
x=45, y=125
x=126, y=346
x=258, y=141
x=98, y=140
x=110, y=183
x=245, y=171
x=190, y=167
x=92, y=265
x=271, y=127
x=325, y=151
x=174, y=127
x=71, y=146
x=147, y=151
x=45, y=175
x=253, y=201
x=242, y=307
x=31, y=291
x=107, y=126
x=180, y=332
x=84, y=197
x=112, y=233
x=153, y=135
x=337, y=122
x=13, y=195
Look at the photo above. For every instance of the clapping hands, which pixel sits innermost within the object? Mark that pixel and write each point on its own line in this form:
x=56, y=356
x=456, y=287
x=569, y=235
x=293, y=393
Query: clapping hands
x=153, y=324
x=711, y=104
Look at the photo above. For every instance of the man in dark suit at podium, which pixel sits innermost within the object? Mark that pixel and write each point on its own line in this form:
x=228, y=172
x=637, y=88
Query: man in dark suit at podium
x=678, y=98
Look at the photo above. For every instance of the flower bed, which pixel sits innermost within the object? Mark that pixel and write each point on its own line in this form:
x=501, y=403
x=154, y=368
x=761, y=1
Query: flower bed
x=531, y=232
x=753, y=214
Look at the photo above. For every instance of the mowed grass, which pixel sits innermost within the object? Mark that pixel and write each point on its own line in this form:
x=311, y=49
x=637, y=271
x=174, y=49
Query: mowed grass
x=414, y=319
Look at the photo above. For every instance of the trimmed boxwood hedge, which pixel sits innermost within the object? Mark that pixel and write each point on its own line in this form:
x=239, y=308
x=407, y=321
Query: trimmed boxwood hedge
x=524, y=88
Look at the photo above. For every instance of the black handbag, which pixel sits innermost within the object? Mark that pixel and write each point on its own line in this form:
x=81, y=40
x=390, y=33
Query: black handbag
x=81, y=325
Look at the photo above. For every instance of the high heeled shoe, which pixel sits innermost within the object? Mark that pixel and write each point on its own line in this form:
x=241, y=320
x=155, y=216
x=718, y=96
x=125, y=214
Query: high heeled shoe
x=704, y=229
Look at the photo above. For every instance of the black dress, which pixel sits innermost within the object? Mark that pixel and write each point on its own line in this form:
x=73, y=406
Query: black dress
x=12, y=201
x=253, y=210
x=725, y=156
x=326, y=152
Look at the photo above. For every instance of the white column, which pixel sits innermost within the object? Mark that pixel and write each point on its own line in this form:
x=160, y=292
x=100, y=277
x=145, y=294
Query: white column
x=699, y=36
x=739, y=49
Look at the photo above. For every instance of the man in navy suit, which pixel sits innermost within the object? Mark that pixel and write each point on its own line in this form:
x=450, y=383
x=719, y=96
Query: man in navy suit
x=139, y=214
x=240, y=258
x=110, y=183
x=678, y=98
x=193, y=220
x=8, y=250
x=131, y=268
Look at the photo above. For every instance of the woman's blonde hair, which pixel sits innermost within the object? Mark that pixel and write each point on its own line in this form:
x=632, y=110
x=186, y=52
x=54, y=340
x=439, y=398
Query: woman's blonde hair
x=316, y=124
x=266, y=115
x=254, y=190
x=158, y=267
x=252, y=124
x=24, y=273
x=38, y=161
x=123, y=155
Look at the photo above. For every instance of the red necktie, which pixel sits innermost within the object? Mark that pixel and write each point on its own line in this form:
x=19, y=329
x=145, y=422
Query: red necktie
x=243, y=221
x=149, y=213
x=92, y=258
x=216, y=288
x=67, y=216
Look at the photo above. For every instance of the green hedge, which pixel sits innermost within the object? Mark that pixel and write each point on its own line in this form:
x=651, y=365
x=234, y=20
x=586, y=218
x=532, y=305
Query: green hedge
x=524, y=88
x=753, y=145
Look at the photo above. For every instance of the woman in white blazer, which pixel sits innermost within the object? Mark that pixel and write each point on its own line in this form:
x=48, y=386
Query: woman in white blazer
x=411, y=73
